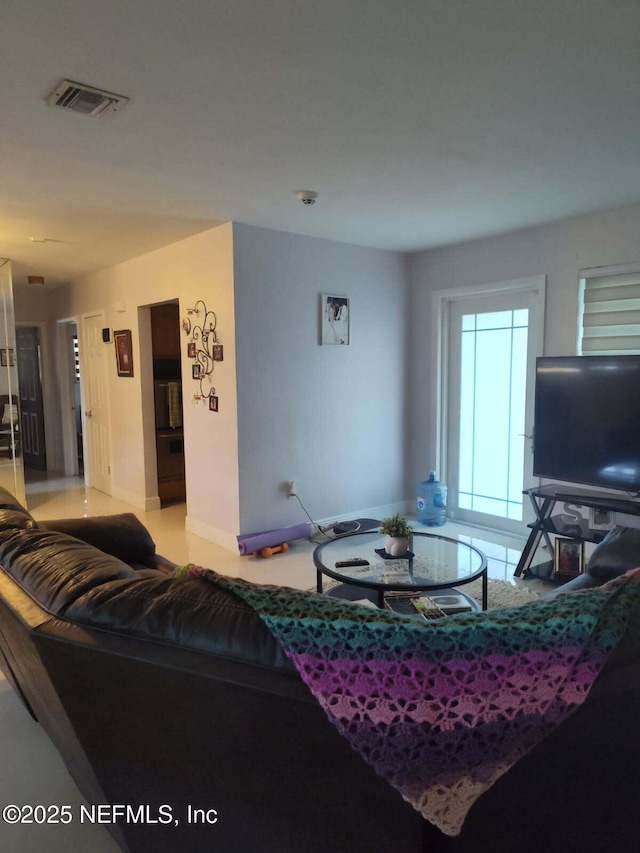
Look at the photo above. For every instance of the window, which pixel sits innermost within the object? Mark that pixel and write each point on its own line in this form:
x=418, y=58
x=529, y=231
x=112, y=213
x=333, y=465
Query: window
x=610, y=313
x=492, y=412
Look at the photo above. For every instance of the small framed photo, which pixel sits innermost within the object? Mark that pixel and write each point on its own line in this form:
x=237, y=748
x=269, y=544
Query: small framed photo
x=195, y=371
x=124, y=352
x=191, y=349
x=601, y=519
x=7, y=358
x=218, y=354
x=213, y=403
x=335, y=320
x=568, y=557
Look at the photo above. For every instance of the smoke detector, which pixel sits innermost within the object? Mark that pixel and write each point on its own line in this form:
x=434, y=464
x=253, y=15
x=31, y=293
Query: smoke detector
x=307, y=196
x=87, y=100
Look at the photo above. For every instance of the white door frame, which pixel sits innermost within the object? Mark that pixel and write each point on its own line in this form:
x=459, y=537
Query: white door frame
x=441, y=301
x=86, y=450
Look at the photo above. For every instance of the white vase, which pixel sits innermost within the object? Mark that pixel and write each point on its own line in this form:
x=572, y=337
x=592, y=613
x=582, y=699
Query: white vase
x=396, y=546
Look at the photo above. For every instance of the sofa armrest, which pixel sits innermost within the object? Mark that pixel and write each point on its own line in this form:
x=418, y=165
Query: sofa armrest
x=158, y=563
x=619, y=552
x=122, y=536
x=583, y=581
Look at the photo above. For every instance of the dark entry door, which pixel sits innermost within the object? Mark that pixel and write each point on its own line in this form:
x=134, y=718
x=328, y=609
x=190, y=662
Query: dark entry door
x=31, y=405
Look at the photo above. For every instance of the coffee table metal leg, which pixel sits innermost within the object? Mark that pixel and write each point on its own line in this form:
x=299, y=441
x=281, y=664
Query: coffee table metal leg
x=485, y=589
x=381, y=599
x=319, y=580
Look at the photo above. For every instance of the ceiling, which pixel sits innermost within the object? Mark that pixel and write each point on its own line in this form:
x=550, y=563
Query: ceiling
x=418, y=122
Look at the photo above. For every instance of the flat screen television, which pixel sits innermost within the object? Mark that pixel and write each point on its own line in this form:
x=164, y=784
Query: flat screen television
x=587, y=420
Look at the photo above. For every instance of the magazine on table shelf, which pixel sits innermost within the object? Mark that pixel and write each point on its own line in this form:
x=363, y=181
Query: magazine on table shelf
x=451, y=601
x=428, y=606
x=412, y=604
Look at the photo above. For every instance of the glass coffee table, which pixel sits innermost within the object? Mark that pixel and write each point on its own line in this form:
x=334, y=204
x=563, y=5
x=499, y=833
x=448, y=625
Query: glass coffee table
x=434, y=563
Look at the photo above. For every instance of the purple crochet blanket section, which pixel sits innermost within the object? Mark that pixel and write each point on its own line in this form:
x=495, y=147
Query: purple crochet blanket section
x=442, y=709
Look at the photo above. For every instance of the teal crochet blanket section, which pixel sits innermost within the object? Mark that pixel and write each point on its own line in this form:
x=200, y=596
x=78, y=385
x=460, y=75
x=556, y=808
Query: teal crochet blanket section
x=441, y=709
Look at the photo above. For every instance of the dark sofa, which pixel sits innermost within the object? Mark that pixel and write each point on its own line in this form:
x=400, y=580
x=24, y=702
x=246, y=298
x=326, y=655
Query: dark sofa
x=172, y=693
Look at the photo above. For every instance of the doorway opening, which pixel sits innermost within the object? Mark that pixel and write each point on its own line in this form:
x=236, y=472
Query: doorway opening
x=74, y=353
x=167, y=399
x=32, y=424
x=70, y=397
x=490, y=339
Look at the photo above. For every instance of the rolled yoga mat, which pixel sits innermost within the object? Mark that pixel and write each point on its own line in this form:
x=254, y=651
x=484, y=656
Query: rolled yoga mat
x=248, y=543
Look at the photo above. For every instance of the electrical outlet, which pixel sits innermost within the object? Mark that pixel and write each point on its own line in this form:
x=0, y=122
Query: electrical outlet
x=292, y=489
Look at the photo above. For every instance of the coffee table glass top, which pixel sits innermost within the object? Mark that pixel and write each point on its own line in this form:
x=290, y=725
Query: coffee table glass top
x=438, y=562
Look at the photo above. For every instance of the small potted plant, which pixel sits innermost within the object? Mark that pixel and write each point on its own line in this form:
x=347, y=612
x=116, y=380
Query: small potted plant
x=397, y=531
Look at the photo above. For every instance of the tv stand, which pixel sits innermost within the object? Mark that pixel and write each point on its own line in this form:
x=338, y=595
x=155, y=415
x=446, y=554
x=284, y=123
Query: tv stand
x=544, y=499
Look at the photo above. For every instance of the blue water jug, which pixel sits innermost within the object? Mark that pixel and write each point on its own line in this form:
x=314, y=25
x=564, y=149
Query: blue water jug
x=431, y=508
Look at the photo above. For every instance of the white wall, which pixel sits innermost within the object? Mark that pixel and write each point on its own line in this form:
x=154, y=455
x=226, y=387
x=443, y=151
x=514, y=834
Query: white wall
x=558, y=250
x=199, y=267
x=332, y=417
x=32, y=303
x=350, y=424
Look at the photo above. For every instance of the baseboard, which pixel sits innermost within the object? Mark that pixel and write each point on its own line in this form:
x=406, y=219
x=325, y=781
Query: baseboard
x=211, y=534
x=383, y=511
x=138, y=501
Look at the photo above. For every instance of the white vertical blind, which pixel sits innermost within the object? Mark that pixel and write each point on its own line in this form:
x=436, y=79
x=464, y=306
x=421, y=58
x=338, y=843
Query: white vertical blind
x=611, y=314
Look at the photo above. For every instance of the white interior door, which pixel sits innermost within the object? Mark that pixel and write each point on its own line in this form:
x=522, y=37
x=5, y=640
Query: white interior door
x=96, y=403
x=493, y=341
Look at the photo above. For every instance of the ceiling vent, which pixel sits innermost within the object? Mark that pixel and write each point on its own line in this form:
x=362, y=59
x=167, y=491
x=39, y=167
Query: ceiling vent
x=85, y=99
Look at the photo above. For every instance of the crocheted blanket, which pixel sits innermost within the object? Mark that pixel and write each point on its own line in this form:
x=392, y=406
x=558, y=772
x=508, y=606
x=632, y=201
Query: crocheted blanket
x=441, y=709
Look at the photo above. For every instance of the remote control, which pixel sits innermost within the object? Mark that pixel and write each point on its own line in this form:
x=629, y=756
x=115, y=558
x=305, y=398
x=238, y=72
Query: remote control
x=354, y=561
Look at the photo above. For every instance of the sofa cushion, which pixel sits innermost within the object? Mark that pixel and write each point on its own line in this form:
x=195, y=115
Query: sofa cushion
x=618, y=552
x=123, y=536
x=188, y=613
x=56, y=569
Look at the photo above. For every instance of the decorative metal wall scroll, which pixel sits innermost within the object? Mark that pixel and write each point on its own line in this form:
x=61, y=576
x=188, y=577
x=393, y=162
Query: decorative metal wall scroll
x=204, y=346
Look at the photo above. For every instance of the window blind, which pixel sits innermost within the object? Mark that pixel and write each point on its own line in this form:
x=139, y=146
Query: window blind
x=611, y=315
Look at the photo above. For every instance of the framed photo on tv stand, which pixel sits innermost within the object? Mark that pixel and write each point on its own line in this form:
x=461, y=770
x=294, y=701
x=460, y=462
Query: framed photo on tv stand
x=601, y=519
x=568, y=557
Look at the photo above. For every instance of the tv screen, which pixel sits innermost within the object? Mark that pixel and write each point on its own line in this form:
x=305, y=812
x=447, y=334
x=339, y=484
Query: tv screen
x=587, y=420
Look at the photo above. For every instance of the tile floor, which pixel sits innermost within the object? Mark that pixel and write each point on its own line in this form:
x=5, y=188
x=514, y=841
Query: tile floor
x=52, y=496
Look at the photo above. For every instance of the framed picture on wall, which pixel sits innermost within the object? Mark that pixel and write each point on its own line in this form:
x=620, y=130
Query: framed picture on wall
x=213, y=403
x=335, y=320
x=124, y=352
